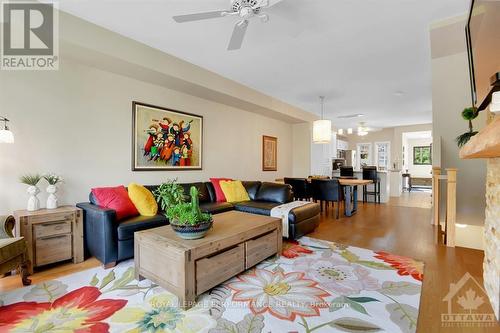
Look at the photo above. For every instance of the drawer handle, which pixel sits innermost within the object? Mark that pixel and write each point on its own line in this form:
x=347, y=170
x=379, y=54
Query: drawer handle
x=53, y=237
x=49, y=224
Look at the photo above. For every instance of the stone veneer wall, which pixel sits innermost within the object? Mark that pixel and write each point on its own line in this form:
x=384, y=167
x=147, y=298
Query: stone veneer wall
x=491, y=264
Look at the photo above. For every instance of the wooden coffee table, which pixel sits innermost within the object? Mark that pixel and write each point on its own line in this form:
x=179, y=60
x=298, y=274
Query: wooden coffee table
x=188, y=268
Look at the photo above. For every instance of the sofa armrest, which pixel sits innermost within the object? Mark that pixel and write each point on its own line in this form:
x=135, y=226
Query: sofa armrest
x=100, y=234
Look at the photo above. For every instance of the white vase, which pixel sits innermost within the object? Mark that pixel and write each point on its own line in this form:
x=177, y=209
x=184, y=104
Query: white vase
x=52, y=199
x=33, y=201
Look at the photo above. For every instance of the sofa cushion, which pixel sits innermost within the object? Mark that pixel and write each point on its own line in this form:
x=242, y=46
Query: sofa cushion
x=216, y=207
x=115, y=198
x=272, y=192
x=143, y=199
x=255, y=207
x=127, y=228
x=219, y=194
x=202, y=190
x=252, y=188
x=234, y=191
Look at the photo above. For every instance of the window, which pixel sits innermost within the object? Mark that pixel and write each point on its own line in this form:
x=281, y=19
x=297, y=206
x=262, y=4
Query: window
x=422, y=155
x=382, y=155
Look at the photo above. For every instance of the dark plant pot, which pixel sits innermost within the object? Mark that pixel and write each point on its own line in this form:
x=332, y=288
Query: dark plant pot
x=192, y=231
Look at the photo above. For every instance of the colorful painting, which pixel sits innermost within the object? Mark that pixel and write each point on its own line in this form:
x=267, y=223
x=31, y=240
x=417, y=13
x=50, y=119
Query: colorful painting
x=269, y=153
x=165, y=139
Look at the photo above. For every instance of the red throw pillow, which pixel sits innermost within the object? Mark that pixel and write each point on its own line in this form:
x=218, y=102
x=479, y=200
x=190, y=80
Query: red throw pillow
x=115, y=198
x=218, y=191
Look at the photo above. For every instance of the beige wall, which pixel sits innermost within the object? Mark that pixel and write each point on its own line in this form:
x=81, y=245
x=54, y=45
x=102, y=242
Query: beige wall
x=450, y=95
x=302, y=137
x=76, y=122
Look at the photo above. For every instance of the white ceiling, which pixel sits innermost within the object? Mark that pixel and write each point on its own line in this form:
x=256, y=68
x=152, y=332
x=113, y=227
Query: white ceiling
x=366, y=56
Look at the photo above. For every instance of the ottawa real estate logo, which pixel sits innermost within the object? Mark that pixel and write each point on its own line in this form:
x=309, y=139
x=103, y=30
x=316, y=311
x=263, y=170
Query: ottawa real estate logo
x=29, y=36
x=467, y=305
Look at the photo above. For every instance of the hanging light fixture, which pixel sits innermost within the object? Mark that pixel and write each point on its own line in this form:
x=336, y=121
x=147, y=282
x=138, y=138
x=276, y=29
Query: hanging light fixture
x=495, y=102
x=362, y=130
x=6, y=135
x=322, y=129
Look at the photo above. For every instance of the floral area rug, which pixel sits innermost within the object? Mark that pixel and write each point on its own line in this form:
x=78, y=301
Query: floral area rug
x=316, y=286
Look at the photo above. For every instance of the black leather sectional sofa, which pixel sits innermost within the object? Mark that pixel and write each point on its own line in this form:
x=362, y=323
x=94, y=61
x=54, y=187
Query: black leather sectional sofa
x=111, y=241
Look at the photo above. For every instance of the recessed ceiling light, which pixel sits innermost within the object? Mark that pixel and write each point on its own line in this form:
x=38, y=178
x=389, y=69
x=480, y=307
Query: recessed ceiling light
x=399, y=93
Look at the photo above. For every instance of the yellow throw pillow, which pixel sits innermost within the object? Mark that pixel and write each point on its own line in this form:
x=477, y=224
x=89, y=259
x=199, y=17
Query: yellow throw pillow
x=234, y=191
x=143, y=199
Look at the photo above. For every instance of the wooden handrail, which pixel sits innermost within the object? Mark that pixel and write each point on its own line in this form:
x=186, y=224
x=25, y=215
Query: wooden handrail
x=436, y=172
x=451, y=207
x=451, y=204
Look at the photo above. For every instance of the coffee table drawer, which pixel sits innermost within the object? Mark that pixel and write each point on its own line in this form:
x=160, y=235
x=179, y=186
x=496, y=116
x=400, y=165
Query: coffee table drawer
x=214, y=270
x=261, y=248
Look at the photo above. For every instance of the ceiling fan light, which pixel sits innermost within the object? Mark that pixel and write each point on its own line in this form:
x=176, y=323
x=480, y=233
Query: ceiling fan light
x=362, y=133
x=322, y=131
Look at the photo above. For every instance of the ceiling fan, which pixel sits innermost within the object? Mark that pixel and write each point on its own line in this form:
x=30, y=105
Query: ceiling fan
x=243, y=9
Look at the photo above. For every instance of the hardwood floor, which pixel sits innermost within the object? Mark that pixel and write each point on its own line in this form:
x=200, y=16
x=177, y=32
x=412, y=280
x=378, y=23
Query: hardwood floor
x=407, y=231
x=400, y=230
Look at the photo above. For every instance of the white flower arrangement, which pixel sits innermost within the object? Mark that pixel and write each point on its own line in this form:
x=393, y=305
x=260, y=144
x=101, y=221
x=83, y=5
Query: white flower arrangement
x=53, y=179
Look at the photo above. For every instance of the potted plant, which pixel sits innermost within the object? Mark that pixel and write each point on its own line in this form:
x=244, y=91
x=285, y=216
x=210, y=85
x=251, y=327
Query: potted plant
x=169, y=194
x=53, y=180
x=32, y=182
x=468, y=114
x=187, y=220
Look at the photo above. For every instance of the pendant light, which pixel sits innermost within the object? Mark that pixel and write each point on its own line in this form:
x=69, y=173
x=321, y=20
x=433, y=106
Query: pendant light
x=322, y=129
x=6, y=135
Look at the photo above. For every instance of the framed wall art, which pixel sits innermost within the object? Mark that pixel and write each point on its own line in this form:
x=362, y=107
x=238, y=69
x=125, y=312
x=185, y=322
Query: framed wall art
x=165, y=139
x=269, y=153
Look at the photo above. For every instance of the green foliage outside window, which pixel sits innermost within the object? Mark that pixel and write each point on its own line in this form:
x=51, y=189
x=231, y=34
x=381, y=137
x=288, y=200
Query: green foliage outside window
x=422, y=155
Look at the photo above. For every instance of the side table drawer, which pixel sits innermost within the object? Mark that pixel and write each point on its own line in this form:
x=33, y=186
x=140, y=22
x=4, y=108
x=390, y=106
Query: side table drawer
x=52, y=228
x=261, y=248
x=214, y=270
x=53, y=249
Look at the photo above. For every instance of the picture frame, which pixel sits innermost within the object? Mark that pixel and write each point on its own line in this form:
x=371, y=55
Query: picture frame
x=269, y=153
x=165, y=139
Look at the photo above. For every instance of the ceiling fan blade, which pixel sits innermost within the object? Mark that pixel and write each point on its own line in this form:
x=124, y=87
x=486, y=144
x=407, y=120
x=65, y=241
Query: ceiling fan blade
x=239, y=32
x=198, y=16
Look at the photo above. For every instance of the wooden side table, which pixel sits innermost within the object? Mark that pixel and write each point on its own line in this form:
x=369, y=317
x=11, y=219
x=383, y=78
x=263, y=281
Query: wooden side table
x=52, y=235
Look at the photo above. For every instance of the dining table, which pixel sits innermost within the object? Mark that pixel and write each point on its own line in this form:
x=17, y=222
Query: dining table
x=350, y=188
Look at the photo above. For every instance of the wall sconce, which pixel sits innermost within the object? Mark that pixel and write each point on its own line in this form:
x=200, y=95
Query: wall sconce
x=6, y=135
x=349, y=131
x=341, y=131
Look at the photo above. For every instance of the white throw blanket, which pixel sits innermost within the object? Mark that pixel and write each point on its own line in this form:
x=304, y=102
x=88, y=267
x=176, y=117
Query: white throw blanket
x=282, y=212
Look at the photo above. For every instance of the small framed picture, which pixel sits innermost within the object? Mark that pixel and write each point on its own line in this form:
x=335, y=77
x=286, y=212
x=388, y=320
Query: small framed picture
x=269, y=153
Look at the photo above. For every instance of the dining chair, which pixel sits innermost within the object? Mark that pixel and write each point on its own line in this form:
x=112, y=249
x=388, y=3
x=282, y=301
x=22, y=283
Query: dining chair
x=370, y=173
x=347, y=172
x=300, y=187
x=326, y=191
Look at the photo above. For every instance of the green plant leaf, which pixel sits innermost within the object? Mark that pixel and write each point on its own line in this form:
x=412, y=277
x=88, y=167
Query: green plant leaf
x=349, y=324
x=374, y=265
x=403, y=315
x=349, y=256
x=107, y=279
x=399, y=288
x=94, y=281
x=363, y=299
x=127, y=277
